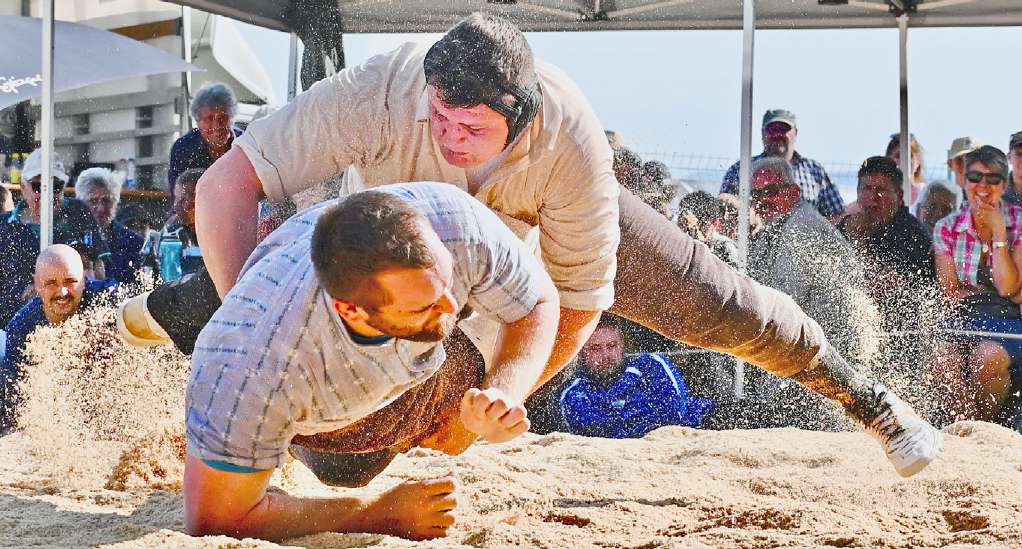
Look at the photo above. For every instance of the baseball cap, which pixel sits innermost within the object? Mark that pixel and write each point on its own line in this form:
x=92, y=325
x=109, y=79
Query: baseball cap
x=963, y=145
x=1015, y=140
x=779, y=115
x=34, y=167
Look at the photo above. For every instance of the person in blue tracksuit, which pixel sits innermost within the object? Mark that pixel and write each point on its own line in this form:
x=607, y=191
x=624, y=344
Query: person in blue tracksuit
x=614, y=396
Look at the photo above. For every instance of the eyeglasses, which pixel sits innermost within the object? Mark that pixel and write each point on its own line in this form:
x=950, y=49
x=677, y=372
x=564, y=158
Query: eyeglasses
x=58, y=186
x=776, y=128
x=991, y=178
x=769, y=191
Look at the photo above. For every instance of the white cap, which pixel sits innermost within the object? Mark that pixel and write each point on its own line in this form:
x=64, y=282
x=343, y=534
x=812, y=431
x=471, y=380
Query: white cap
x=34, y=167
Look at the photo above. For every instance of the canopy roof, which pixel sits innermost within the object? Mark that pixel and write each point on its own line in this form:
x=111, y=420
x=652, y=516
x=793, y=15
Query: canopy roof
x=382, y=16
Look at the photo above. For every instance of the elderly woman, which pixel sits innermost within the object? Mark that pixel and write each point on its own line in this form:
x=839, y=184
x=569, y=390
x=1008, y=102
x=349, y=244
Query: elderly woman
x=213, y=108
x=937, y=201
x=100, y=190
x=979, y=260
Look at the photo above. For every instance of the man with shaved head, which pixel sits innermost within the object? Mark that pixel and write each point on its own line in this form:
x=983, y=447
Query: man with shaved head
x=62, y=290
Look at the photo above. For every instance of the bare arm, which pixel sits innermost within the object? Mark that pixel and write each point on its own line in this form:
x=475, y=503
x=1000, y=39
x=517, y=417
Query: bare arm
x=226, y=213
x=1005, y=270
x=524, y=347
x=947, y=277
x=573, y=331
x=238, y=505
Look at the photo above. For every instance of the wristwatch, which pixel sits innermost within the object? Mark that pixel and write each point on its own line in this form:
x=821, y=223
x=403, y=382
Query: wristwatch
x=999, y=244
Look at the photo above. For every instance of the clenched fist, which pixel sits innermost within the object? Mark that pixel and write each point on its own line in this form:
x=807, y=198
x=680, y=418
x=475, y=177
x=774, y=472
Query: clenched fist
x=492, y=415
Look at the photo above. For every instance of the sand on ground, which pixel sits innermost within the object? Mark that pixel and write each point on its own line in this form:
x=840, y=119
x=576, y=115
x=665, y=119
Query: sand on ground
x=677, y=487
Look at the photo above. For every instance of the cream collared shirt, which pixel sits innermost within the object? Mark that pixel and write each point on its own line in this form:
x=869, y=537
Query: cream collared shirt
x=557, y=183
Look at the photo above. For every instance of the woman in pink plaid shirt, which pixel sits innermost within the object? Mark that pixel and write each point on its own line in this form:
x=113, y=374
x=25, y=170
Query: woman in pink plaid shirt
x=978, y=254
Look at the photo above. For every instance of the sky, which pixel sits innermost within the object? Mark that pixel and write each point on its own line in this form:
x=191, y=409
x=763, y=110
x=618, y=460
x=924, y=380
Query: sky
x=673, y=92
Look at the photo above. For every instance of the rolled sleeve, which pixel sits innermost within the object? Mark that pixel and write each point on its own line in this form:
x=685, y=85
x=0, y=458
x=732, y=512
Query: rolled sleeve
x=509, y=280
x=339, y=121
x=579, y=232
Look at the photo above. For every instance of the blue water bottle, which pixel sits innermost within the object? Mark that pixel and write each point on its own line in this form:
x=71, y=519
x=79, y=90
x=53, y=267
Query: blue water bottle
x=170, y=257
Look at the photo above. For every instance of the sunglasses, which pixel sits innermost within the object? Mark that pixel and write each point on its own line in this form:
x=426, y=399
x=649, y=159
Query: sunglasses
x=991, y=178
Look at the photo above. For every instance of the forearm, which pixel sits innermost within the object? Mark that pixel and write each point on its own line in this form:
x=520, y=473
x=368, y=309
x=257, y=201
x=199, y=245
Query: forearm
x=238, y=504
x=573, y=330
x=1005, y=272
x=523, y=349
x=226, y=214
x=280, y=516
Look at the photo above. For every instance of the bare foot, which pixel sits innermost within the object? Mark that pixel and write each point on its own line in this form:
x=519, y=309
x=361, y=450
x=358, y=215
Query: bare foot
x=414, y=509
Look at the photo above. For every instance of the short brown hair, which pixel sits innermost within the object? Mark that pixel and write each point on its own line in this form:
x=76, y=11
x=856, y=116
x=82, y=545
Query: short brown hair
x=362, y=235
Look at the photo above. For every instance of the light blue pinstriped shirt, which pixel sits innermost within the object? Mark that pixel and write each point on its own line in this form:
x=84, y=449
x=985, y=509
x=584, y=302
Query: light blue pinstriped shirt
x=275, y=360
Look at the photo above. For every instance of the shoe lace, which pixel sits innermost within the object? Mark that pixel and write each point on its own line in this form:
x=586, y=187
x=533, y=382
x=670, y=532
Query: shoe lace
x=887, y=426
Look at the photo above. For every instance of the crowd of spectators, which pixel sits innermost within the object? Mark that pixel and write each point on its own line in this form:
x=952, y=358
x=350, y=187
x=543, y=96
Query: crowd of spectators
x=868, y=272
x=927, y=286
x=98, y=244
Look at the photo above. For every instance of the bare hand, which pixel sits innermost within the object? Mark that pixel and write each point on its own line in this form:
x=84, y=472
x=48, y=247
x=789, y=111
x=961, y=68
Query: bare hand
x=989, y=219
x=492, y=415
x=414, y=509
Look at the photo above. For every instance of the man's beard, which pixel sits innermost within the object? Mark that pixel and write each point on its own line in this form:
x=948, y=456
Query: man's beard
x=775, y=148
x=436, y=332
x=56, y=313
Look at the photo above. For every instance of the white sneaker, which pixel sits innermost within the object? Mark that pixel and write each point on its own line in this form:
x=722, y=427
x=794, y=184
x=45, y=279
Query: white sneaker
x=910, y=442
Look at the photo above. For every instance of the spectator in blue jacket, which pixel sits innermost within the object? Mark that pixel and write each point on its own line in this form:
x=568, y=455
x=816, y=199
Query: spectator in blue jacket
x=100, y=190
x=614, y=396
x=63, y=290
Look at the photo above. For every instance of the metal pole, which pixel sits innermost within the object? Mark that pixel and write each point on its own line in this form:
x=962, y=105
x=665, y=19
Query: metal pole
x=185, y=122
x=745, y=162
x=906, y=140
x=46, y=189
x=292, y=69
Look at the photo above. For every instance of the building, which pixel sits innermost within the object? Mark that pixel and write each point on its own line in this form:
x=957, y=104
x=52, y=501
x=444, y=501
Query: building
x=131, y=124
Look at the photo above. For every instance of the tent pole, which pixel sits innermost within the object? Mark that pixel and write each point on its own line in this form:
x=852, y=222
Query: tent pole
x=745, y=162
x=186, y=76
x=906, y=140
x=292, y=68
x=46, y=189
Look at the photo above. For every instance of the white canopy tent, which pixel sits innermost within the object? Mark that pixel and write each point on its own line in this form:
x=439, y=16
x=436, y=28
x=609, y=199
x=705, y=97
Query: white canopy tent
x=387, y=16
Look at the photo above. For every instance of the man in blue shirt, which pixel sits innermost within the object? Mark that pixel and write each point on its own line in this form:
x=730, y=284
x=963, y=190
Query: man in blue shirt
x=63, y=290
x=613, y=396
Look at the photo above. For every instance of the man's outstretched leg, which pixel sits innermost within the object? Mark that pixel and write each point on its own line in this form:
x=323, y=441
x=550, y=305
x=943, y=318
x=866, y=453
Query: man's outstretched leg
x=668, y=282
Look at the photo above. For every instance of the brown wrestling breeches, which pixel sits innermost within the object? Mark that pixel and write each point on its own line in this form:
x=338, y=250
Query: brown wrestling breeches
x=352, y=456
x=665, y=281
x=668, y=282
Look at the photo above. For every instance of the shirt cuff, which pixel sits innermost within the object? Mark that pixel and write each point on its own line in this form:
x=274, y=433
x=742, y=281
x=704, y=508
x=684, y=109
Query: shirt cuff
x=599, y=299
x=230, y=467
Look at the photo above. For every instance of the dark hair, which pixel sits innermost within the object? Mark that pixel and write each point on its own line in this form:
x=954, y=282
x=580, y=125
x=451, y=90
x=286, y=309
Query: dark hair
x=628, y=168
x=991, y=156
x=485, y=60
x=917, y=151
x=362, y=235
x=883, y=166
x=478, y=60
x=656, y=172
x=188, y=177
x=704, y=206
